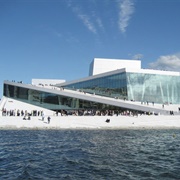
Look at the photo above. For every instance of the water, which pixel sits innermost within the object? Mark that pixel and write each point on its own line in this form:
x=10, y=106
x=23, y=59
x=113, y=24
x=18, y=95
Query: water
x=90, y=154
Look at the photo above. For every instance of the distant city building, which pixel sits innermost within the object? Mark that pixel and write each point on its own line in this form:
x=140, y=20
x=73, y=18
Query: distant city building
x=112, y=84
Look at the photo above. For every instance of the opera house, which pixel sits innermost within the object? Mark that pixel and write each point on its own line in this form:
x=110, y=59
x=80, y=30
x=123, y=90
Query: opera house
x=112, y=84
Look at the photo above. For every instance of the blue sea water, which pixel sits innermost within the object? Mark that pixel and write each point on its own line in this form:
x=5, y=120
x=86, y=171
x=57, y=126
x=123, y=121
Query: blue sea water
x=90, y=154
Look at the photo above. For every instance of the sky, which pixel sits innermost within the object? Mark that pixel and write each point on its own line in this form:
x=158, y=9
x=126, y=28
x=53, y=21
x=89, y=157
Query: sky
x=58, y=39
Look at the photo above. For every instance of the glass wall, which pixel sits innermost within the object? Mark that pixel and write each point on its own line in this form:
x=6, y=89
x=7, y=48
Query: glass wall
x=153, y=88
x=111, y=86
x=51, y=101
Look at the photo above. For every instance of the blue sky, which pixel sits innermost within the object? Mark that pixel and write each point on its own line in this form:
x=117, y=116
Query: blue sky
x=58, y=39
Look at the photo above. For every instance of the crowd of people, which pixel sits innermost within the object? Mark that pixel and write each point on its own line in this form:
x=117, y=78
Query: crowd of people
x=14, y=112
x=84, y=112
x=88, y=112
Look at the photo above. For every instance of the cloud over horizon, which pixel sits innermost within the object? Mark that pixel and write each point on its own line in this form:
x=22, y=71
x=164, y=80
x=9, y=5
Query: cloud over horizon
x=126, y=9
x=169, y=63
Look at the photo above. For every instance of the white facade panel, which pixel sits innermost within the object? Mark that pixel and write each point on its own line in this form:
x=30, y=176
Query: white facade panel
x=99, y=65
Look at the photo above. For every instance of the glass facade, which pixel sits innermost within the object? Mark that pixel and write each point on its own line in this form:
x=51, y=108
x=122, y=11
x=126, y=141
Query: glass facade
x=111, y=86
x=162, y=89
x=51, y=101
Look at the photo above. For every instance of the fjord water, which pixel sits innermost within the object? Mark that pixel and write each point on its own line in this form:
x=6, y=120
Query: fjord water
x=90, y=154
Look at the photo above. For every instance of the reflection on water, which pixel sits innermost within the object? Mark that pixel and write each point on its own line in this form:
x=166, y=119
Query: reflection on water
x=89, y=154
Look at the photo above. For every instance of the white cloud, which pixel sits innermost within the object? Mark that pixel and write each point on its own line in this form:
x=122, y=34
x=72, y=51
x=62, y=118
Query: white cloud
x=88, y=17
x=126, y=8
x=84, y=18
x=99, y=22
x=138, y=56
x=169, y=62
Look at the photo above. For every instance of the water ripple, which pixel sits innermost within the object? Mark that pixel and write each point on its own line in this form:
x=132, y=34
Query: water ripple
x=90, y=154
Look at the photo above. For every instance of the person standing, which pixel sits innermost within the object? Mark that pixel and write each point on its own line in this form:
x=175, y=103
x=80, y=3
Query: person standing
x=42, y=116
x=49, y=119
